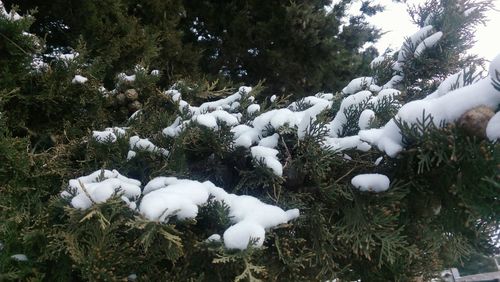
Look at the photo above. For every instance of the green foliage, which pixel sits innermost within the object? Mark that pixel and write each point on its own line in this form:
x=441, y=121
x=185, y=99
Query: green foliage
x=296, y=46
x=441, y=207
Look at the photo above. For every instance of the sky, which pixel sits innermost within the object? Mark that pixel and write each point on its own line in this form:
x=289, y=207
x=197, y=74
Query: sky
x=395, y=20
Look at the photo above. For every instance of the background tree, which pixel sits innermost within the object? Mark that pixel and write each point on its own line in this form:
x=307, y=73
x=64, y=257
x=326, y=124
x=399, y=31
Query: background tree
x=298, y=47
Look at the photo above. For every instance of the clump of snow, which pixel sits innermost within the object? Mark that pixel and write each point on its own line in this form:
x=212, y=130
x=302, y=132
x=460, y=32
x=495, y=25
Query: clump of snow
x=413, y=41
x=214, y=238
x=272, y=99
x=123, y=77
x=493, y=128
x=395, y=80
x=143, y=144
x=155, y=72
x=443, y=109
x=429, y=42
x=98, y=187
x=337, y=124
x=12, y=16
x=239, y=236
x=377, y=61
x=66, y=57
x=135, y=115
x=174, y=129
x=270, y=141
x=212, y=119
x=38, y=65
x=384, y=94
x=166, y=197
x=365, y=118
x=378, y=161
x=452, y=82
x=19, y=257
x=269, y=158
x=131, y=154
x=469, y=11
x=345, y=143
x=104, y=136
x=358, y=84
x=78, y=79
x=110, y=134
x=179, y=198
x=373, y=182
x=253, y=108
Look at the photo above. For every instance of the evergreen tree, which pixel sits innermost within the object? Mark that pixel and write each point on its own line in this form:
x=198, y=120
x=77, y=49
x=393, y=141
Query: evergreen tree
x=298, y=47
x=209, y=191
x=117, y=34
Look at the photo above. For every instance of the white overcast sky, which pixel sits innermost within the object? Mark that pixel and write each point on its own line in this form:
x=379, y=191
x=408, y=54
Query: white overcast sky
x=396, y=22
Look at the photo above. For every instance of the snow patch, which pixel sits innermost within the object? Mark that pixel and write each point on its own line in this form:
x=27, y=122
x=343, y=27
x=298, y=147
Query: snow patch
x=373, y=182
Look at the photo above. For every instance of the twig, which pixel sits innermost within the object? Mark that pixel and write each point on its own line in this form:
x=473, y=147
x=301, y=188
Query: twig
x=14, y=43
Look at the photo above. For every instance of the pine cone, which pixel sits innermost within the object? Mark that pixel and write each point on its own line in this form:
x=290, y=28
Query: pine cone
x=475, y=121
x=120, y=99
x=134, y=106
x=131, y=95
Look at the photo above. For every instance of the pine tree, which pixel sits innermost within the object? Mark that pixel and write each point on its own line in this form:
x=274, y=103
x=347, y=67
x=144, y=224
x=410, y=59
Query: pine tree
x=117, y=193
x=297, y=47
x=117, y=34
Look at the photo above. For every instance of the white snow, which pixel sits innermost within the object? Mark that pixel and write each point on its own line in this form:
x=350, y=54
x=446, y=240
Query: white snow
x=78, y=79
x=444, y=109
x=19, y=257
x=155, y=72
x=345, y=143
x=130, y=155
x=212, y=119
x=336, y=125
x=377, y=61
x=177, y=198
x=104, y=136
x=166, y=197
x=493, y=128
x=429, y=42
x=357, y=85
x=110, y=134
x=137, y=143
x=239, y=236
x=270, y=141
x=366, y=118
x=123, y=77
x=214, y=238
x=174, y=129
x=378, y=161
x=98, y=187
x=12, y=16
x=66, y=57
x=253, y=108
x=388, y=94
x=413, y=41
x=453, y=82
x=373, y=182
x=269, y=158
x=272, y=99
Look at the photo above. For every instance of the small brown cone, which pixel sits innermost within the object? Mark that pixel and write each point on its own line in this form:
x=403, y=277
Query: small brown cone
x=131, y=95
x=121, y=99
x=134, y=106
x=475, y=121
